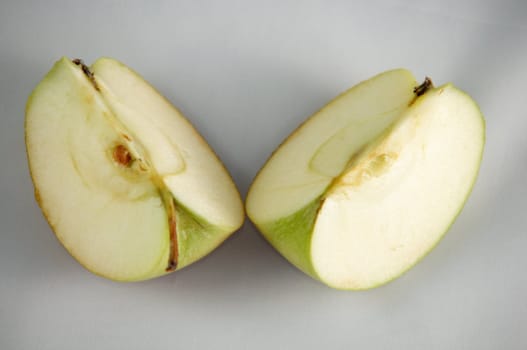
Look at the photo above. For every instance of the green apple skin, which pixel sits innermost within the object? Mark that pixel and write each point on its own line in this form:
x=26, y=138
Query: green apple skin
x=292, y=235
x=196, y=236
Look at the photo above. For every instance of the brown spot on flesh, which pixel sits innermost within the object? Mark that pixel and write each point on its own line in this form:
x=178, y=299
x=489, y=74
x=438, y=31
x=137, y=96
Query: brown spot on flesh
x=122, y=156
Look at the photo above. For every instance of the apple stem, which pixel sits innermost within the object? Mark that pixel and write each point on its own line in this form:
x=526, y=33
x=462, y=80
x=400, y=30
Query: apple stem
x=424, y=87
x=86, y=72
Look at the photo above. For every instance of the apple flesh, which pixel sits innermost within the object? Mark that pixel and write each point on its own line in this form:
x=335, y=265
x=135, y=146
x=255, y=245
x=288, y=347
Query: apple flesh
x=369, y=184
x=128, y=185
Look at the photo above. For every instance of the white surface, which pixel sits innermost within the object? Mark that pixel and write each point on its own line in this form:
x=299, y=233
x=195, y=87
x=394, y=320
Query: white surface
x=246, y=73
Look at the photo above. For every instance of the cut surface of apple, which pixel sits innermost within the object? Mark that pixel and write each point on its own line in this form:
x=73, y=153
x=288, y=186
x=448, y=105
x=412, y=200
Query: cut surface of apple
x=128, y=185
x=369, y=184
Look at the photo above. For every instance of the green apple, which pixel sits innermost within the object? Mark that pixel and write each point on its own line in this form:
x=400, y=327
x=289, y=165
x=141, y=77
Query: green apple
x=369, y=184
x=127, y=184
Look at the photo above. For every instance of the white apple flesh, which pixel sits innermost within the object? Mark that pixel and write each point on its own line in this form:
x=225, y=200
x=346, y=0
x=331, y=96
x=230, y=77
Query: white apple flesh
x=128, y=185
x=369, y=184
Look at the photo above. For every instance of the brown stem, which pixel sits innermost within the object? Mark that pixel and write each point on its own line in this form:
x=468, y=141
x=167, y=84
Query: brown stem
x=86, y=71
x=421, y=89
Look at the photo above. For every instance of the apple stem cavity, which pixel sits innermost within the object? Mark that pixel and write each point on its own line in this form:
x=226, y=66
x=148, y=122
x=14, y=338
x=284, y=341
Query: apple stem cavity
x=86, y=72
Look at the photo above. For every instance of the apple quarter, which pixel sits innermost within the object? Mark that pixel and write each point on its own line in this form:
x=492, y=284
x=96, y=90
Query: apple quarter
x=369, y=184
x=127, y=184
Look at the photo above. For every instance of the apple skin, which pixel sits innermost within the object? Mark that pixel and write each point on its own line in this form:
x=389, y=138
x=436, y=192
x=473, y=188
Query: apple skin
x=196, y=236
x=292, y=235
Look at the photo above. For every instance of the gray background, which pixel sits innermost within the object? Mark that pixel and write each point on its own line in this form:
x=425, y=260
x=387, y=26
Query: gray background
x=245, y=74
